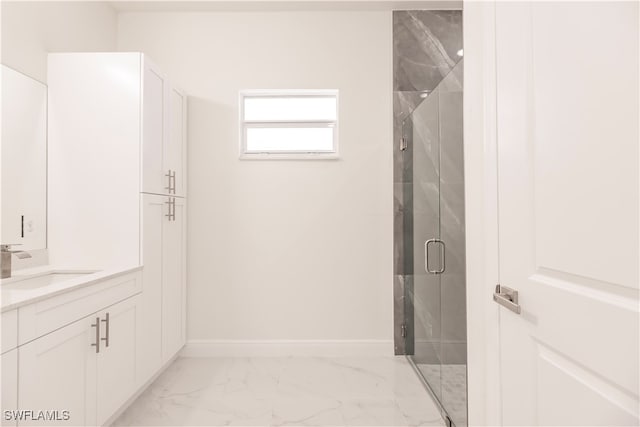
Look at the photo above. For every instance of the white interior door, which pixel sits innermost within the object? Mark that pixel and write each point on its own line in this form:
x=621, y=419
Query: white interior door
x=567, y=79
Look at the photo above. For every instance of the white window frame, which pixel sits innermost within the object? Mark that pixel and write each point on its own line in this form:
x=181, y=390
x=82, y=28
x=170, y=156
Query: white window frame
x=287, y=155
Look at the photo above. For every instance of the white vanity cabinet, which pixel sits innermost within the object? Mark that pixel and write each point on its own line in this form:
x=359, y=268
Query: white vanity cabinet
x=58, y=372
x=116, y=360
x=9, y=330
x=9, y=364
x=86, y=368
x=75, y=349
x=9, y=369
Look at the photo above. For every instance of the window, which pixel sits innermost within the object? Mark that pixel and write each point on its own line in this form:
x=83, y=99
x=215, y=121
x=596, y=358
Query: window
x=289, y=124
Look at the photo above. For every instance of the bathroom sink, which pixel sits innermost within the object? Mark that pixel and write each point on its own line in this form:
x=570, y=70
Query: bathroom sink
x=41, y=280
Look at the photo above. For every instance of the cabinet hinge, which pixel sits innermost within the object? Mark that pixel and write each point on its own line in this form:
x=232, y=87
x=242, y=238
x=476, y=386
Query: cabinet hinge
x=403, y=143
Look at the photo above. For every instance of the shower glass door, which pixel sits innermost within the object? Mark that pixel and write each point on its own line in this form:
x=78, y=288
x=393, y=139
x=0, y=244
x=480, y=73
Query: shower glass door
x=426, y=241
x=439, y=293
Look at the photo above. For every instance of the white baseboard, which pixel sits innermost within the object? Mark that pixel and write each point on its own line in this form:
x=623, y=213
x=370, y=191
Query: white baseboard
x=285, y=348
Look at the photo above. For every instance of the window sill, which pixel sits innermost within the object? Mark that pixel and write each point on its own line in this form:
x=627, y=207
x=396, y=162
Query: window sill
x=289, y=156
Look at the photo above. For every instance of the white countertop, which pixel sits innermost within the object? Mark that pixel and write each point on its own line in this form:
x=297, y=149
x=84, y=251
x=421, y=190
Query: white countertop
x=17, y=292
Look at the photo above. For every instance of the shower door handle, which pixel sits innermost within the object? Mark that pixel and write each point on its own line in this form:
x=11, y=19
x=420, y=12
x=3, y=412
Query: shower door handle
x=426, y=256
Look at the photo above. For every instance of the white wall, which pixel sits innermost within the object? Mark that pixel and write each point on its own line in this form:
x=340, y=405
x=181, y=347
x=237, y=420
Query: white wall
x=32, y=29
x=283, y=250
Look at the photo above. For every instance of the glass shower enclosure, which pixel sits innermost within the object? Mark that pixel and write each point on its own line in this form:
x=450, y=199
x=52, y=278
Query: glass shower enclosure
x=438, y=293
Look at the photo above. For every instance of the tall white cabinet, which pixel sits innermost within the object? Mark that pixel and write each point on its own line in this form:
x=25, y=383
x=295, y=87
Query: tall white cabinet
x=162, y=329
x=164, y=150
x=174, y=271
x=117, y=186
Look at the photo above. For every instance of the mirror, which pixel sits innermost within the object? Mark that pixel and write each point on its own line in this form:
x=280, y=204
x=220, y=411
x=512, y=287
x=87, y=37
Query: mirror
x=24, y=161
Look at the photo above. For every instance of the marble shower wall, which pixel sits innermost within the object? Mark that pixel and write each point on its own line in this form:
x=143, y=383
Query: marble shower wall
x=426, y=45
x=425, y=50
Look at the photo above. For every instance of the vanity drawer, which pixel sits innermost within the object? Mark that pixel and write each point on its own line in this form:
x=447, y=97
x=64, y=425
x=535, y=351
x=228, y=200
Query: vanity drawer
x=43, y=317
x=9, y=330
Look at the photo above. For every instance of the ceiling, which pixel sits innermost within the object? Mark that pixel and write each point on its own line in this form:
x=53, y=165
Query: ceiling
x=278, y=5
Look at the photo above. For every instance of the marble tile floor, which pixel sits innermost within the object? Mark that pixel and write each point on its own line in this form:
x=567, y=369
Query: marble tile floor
x=288, y=391
x=449, y=382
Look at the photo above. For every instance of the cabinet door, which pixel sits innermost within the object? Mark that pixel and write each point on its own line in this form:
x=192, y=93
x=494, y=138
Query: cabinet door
x=9, y=369
x=149, y=327
x=58, y=373
x=154, y=130
x=174, y=281
x=176, y=147
x=116, y=362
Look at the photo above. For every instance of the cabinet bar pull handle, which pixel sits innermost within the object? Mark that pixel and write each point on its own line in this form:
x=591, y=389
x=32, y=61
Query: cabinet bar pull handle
x=172, y=209
x=170, y=214
x=173, y=177
x=170, y=176
x=106, y=330
x=97, y=326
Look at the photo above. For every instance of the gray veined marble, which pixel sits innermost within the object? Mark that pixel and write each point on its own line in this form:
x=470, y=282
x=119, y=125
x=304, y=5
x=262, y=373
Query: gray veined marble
x=404, y=102
x=426, y=45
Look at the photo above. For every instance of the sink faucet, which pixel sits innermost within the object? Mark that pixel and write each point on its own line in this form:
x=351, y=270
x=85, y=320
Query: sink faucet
x=5, y=260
